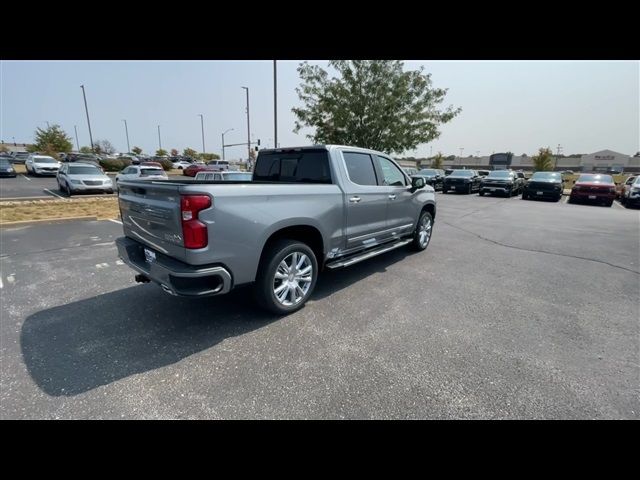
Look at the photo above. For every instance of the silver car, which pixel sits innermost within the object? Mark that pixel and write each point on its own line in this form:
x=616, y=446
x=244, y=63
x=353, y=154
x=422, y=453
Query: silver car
x=41, y=165
x=83, y=177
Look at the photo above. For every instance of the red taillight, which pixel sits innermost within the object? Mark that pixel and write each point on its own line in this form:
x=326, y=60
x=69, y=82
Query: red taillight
x=194, y=231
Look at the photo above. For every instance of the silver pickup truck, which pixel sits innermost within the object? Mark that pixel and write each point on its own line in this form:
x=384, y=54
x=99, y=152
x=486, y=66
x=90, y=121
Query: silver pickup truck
x=306, y=209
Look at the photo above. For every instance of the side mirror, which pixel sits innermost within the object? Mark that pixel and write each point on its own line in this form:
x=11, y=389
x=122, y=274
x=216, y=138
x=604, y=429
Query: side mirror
x=417, y=182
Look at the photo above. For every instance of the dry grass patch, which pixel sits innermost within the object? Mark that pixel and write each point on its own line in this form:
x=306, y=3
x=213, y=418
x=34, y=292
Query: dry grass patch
x=102, y=208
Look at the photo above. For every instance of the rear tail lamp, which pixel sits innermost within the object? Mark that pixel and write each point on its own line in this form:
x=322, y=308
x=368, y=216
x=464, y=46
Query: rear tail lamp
x=194, y=231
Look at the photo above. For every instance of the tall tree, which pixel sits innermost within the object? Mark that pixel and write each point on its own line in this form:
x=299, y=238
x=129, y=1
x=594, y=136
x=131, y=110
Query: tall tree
x=52, y=140
x=190, y=152
x=371, y=103
x=103, y=146
x=85, y=150
x=543, y=161
x=437, y=161
x=174, y=152
x=161, y=152
x=136, y=150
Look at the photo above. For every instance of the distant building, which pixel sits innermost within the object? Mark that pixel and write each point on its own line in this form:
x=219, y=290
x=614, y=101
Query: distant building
x=15, y=147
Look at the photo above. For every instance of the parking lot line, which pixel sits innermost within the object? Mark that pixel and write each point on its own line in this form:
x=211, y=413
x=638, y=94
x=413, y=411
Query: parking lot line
x=55, y=194
x=617, y=204
x=23, y=176
x=115, y=221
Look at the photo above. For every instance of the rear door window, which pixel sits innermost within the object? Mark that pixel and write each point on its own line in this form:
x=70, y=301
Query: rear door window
x=306, y=166
x=360, y=168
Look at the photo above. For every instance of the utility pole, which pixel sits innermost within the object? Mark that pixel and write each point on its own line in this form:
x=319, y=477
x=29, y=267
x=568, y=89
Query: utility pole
x=248, y=128
x=88, y=122
x=557, y=156
x=202, y=125
x=275, y=104
x=159, y=139
x=126, y=130
x=223, y=133
x=77, y=140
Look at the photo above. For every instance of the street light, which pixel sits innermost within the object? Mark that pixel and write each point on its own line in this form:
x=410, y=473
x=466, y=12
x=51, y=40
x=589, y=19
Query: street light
x=275, y=104
x=126, y=130
x=227, y=131
x=159, y=139
x=202, y=125
x=84, y=95
x=75, y=128
x=248, y=127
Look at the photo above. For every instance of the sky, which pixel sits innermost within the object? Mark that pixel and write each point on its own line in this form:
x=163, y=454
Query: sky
x=516, y=106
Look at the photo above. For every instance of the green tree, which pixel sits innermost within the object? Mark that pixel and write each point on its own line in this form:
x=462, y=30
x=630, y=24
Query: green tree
x=174, y=152
x=161, y=152
x=543, y=161
x=437, y=161
x=190, y=152
x=85, y=150
x=136, y=150
x=372, y=103
x=207, y=157
x=52, y=140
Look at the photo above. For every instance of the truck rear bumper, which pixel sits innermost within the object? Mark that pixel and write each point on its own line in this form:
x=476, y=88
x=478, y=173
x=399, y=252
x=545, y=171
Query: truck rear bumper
x=175, y=277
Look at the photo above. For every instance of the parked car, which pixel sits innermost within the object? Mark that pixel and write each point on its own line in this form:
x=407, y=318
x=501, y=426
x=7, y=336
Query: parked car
x=6, y=168
x=140, y=172
x=150, y=164
x=410, y=171
x=465, y=181
x=219, y=164
x=448, y=171
x=226, y=176
x=20, y=157
x=595, y=188
x=631, y=193
x=306, y=209
x=484, y=173
x=76, y=177
x=521, y=180
x=181, y=164
x=82, y=157
x=432, y=176
x=543, y=185
x=42, y=165
x=504, y=182
x=191, y=170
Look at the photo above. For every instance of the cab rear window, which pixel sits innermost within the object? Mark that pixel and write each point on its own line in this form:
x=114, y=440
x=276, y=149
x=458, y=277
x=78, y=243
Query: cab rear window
x=293, y=167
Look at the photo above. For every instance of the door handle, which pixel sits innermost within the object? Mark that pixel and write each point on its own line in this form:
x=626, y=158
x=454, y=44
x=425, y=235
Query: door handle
x=354, y=199
x=392, y=196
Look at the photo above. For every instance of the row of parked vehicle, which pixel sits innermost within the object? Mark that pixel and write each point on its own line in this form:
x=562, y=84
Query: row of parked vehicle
x=589, y=187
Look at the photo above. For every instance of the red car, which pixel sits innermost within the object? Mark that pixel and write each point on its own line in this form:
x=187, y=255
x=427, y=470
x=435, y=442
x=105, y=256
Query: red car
x=191, y=170
x=595, y=188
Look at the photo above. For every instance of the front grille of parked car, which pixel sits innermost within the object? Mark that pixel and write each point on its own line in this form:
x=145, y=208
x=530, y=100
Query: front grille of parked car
x=542, y=186
x=93, y=182
x=455, y=180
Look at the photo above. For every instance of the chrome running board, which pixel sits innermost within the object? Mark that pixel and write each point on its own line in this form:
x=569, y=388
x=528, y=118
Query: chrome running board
x=364, y=256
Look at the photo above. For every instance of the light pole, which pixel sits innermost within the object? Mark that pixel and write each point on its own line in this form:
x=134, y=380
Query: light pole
x=75, y=128
x=248, y=128
x=275, y=104
x=159, y=139
x=84, y=95
x=126, y=130
x=202, y=125
x=227, y=131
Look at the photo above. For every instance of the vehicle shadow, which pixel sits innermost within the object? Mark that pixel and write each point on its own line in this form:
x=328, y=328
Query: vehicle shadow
x=74, y=348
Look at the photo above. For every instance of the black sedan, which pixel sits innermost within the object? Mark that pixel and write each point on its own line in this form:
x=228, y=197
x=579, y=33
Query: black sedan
x=543, y=185
x=6, y=168
x=465, y=181
x=432, y=176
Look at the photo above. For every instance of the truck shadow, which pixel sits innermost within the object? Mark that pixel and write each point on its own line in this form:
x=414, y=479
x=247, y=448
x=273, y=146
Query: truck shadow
x=74, y=348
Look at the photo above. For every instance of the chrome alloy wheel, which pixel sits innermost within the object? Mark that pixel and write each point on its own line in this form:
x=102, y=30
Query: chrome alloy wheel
x=293, y=278
x=424, y=232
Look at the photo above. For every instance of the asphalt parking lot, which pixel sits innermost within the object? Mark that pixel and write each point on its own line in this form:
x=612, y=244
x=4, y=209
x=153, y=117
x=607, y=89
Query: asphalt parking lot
x=518, y=309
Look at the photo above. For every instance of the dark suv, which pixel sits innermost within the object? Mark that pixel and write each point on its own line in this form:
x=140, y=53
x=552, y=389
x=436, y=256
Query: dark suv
x=543, y=185
x=504, y=182
x=465, y=181
x=432, y=176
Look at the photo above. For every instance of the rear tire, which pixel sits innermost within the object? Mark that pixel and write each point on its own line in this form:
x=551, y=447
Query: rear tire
x=524, y=196
x=470, y=191
x=481, y=193
x=444, y=190
x=270, y=273
x=422, y=233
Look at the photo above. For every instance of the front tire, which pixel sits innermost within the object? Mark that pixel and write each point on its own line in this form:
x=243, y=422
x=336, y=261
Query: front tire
x=286, y=277
x=423, y=231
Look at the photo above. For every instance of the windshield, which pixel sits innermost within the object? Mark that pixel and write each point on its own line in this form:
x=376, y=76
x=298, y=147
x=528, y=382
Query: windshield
x=427, y=171
x=44, y=160
x=84, y=171
x=546, y=176
x=238, y=176
x=462, y=173
x=145, y=172
x=595, y=178
x=499, y=174
x=5, y=163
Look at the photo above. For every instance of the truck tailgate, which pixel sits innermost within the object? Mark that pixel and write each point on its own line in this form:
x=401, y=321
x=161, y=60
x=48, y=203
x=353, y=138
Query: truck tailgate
x=151, y=215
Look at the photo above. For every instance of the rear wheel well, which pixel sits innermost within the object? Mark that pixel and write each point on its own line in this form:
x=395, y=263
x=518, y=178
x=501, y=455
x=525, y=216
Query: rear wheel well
x=306, y=234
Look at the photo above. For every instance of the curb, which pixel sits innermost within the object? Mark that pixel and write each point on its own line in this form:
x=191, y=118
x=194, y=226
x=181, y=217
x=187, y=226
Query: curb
x=24, y=223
